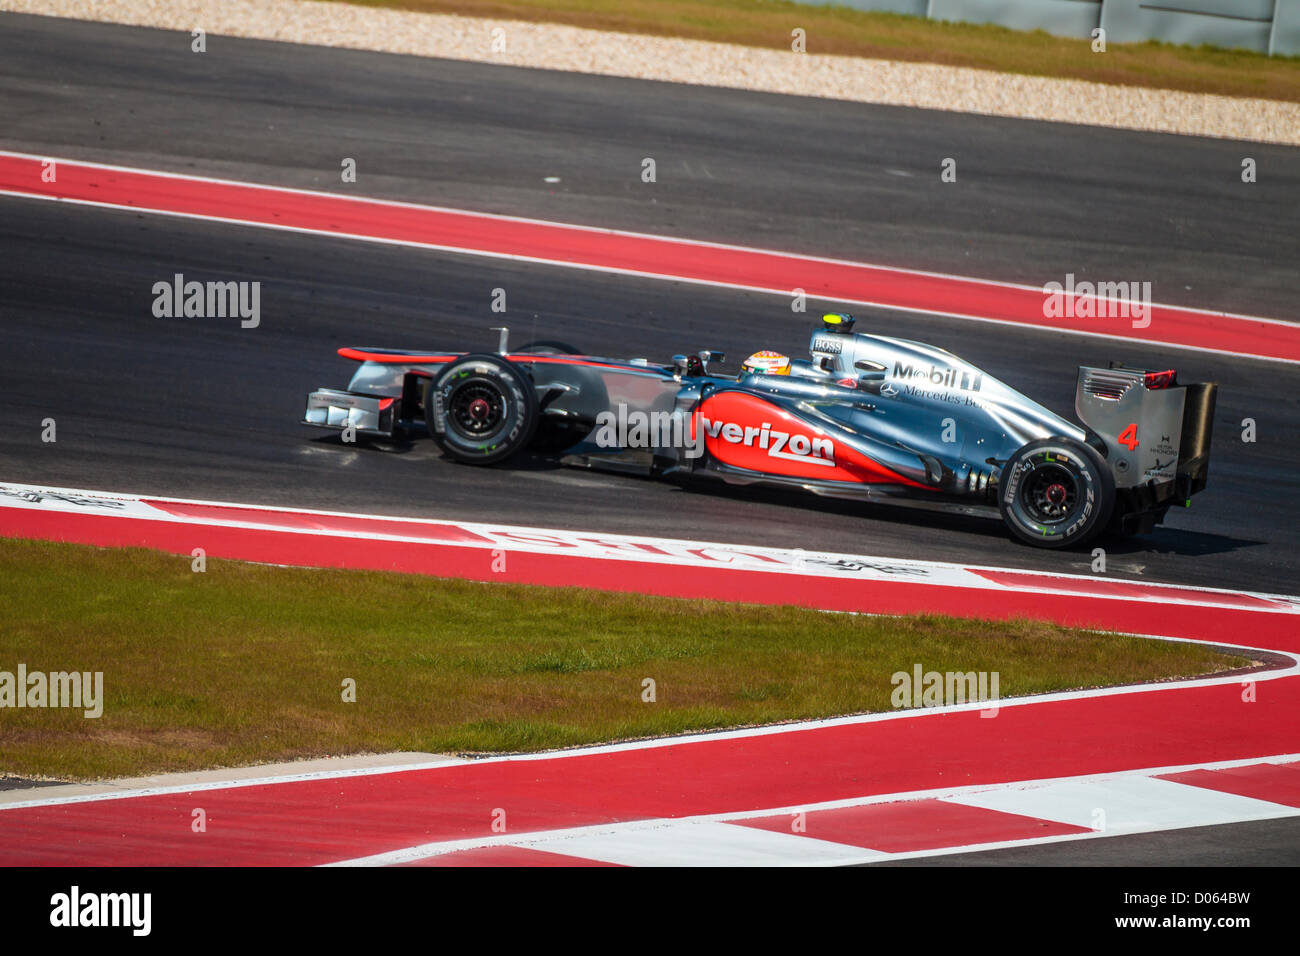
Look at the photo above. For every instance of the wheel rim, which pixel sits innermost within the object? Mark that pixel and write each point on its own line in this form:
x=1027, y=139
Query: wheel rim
x=1050, y=494
x=476, y=409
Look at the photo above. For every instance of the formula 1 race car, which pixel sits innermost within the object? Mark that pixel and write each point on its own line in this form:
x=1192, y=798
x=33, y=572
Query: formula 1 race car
x=869, y=417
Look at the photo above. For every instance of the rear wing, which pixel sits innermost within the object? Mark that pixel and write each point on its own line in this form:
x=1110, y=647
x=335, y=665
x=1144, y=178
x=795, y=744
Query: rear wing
x=1156, y=432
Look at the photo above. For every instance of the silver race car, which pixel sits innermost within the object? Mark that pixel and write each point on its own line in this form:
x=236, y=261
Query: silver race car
x=868, y=417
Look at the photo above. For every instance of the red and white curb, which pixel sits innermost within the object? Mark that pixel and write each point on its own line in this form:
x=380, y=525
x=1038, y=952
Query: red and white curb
x=629, y=253
x=964, y=764
x=548, y=556
x=902, y=827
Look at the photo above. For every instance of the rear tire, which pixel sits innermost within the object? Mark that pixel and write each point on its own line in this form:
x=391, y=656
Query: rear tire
x=480, y=409
x=1055, y=493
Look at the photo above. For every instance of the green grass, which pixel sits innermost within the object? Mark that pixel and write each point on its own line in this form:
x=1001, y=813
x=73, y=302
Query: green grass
x=244, y=663
x=839, y=30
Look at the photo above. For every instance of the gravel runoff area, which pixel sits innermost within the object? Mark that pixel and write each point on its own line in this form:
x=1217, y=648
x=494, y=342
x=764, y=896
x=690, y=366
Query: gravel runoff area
x=549, y=46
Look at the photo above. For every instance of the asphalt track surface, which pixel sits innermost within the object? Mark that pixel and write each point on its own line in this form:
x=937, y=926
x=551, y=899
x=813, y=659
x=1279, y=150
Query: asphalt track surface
x=202, y=408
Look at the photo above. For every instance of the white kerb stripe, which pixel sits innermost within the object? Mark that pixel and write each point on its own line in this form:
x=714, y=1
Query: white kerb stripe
x=1127, y=805
x=706, y=844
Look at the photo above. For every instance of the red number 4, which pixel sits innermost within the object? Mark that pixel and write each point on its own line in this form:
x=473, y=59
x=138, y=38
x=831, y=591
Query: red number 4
x=1129, y=437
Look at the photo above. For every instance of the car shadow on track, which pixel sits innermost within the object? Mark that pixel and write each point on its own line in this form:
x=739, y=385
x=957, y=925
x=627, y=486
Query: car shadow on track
x=1165, y=540
x=981, y=527
x=366, y=443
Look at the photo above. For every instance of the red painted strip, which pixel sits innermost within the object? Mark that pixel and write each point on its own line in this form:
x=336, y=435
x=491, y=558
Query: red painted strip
x=1101, y=587
x=659, y=256
x=905, y=827
x=1276, y=783
x=722, y=583
x=506, y=856
x=316, y=522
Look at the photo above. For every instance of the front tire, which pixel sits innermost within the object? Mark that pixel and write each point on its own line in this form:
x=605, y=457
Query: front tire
x=1055, y=493
x=480, y=409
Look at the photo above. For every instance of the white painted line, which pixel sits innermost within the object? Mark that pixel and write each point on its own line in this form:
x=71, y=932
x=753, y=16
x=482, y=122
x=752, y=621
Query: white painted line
x=596, y=544
x=706, y=844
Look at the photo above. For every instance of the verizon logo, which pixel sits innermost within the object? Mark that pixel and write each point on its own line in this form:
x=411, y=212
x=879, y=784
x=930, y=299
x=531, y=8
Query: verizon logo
x=816, y=451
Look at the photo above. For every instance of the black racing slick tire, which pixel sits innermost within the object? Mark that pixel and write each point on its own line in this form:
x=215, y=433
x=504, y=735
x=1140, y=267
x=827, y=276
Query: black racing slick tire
x=480, y=409
x=1055, y=493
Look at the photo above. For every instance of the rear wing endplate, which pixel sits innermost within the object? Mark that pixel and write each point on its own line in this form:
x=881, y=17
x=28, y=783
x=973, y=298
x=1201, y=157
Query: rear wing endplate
x=1156, y=432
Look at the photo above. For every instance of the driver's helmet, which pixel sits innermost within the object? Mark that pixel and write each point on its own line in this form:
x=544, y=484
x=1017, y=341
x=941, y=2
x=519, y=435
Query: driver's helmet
x=766, y=363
